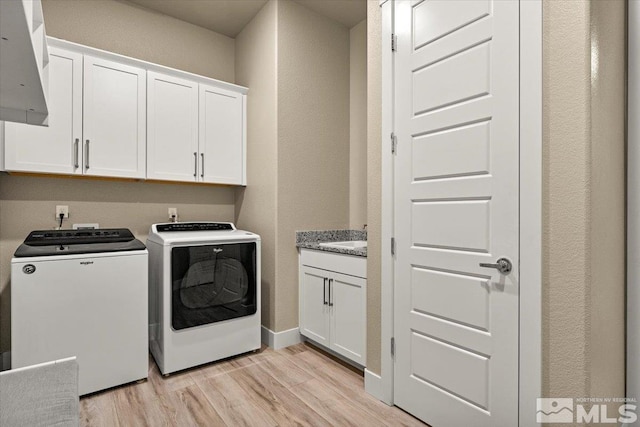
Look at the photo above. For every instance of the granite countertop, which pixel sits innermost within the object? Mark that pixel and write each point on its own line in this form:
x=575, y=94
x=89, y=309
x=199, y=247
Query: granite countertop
x=312, y=240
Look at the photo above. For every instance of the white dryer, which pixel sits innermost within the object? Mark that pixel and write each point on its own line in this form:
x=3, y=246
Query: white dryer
x=204, y=293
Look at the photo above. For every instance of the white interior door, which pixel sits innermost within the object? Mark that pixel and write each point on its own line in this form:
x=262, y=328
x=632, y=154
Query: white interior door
x=456, y=189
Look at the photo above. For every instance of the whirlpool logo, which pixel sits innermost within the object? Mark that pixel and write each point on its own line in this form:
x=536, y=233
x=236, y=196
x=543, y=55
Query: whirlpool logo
x=29, y=269
x=217, y=250
x=86, y=262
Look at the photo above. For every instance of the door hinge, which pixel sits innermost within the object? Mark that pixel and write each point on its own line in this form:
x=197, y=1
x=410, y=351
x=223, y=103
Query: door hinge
x=394, y=143
x=393, y=347
x=393, y=246
x=394, y=42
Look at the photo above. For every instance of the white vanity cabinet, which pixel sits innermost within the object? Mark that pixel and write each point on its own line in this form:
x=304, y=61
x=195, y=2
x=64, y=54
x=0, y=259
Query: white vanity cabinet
x=96, y=121
x=332, y=305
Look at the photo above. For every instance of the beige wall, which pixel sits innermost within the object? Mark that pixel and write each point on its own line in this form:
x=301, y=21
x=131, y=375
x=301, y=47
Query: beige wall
x=313, y=140
x=131, y=30
x=583, y=198
x=28, y=203
x=256, y=205
x=358, y=125
x=374, y=184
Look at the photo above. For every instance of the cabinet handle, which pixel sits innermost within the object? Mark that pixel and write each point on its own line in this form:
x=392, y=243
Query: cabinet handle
x=330, y=286
x=76, y=146
x=324, y=291
x=195, y=164
x=202, y=170
x=86, y=155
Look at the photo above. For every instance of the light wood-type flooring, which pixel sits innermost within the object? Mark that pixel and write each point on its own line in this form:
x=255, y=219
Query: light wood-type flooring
x=298, y=385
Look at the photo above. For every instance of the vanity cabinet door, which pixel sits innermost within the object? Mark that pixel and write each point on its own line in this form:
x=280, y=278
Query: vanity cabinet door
x=55, y=148
x=348, y=315
x=314, y=305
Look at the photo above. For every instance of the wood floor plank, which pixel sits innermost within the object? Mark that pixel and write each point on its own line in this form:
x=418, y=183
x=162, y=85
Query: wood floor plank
x=133, y=410
x=98, y=410
x=282, y=405
x=333, y=406
x=232, y=402
x=286, y=373
x=195, y=409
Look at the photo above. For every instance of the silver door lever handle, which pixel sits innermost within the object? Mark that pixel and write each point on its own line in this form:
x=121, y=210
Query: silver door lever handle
x=503, y=265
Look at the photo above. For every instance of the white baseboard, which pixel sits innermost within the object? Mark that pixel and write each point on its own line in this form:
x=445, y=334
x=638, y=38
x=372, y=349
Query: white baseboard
x=278, y=340
x=5, y=361
x=373, y=385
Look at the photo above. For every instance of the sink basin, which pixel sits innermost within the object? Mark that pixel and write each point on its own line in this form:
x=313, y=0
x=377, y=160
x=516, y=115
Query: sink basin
x=351, y=244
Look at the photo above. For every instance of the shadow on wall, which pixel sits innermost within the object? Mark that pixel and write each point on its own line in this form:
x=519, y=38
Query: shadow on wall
x=28, y=203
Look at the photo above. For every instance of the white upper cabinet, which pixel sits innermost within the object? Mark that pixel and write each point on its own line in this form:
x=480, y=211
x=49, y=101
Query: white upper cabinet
x=222, y=136
x=114, y=119
x=113, y=116
x=56, y=148
x=172, y=128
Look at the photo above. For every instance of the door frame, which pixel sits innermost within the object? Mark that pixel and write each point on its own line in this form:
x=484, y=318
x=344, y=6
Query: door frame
x=530, y=324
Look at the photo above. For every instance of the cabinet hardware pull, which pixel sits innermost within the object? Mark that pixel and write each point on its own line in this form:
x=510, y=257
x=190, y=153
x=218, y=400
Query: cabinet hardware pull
x=195, y=164
x=86, y=157
x=324, y=291
x=76, y=145
x=202, y=170
x=330, y=297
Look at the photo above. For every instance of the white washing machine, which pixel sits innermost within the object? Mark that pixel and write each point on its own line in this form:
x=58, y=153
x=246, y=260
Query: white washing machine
x=82, y=293
x=204, y=293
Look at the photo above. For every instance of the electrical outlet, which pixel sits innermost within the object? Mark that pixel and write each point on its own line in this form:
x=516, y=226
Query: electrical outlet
x=62, y=210
x=173, y=214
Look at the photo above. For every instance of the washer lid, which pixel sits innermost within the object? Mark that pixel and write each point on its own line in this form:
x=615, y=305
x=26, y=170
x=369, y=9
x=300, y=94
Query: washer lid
x=61, y=242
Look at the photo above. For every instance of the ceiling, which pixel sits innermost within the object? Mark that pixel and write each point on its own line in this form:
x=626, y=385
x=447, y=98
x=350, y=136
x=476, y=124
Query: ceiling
x=229, y=17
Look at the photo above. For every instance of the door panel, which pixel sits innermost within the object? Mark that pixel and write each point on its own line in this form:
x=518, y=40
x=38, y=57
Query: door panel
x=52, y=149
x=314, y=307
x=172, y=128
x=114, y=119
x=221, y=136
x=348, y=310
x=456, y=198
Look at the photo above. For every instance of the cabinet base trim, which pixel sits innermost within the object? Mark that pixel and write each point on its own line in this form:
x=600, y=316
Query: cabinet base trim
x=278, y=340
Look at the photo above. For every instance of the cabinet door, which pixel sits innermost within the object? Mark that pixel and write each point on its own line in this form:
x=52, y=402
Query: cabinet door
x=56, y=148
x=348, y=315
x=222, y=132
x=114, y=119
x=314, y=305
x=172, y=128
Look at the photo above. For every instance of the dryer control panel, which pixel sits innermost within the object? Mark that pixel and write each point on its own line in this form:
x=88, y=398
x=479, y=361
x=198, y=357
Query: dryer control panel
x=195, y=226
